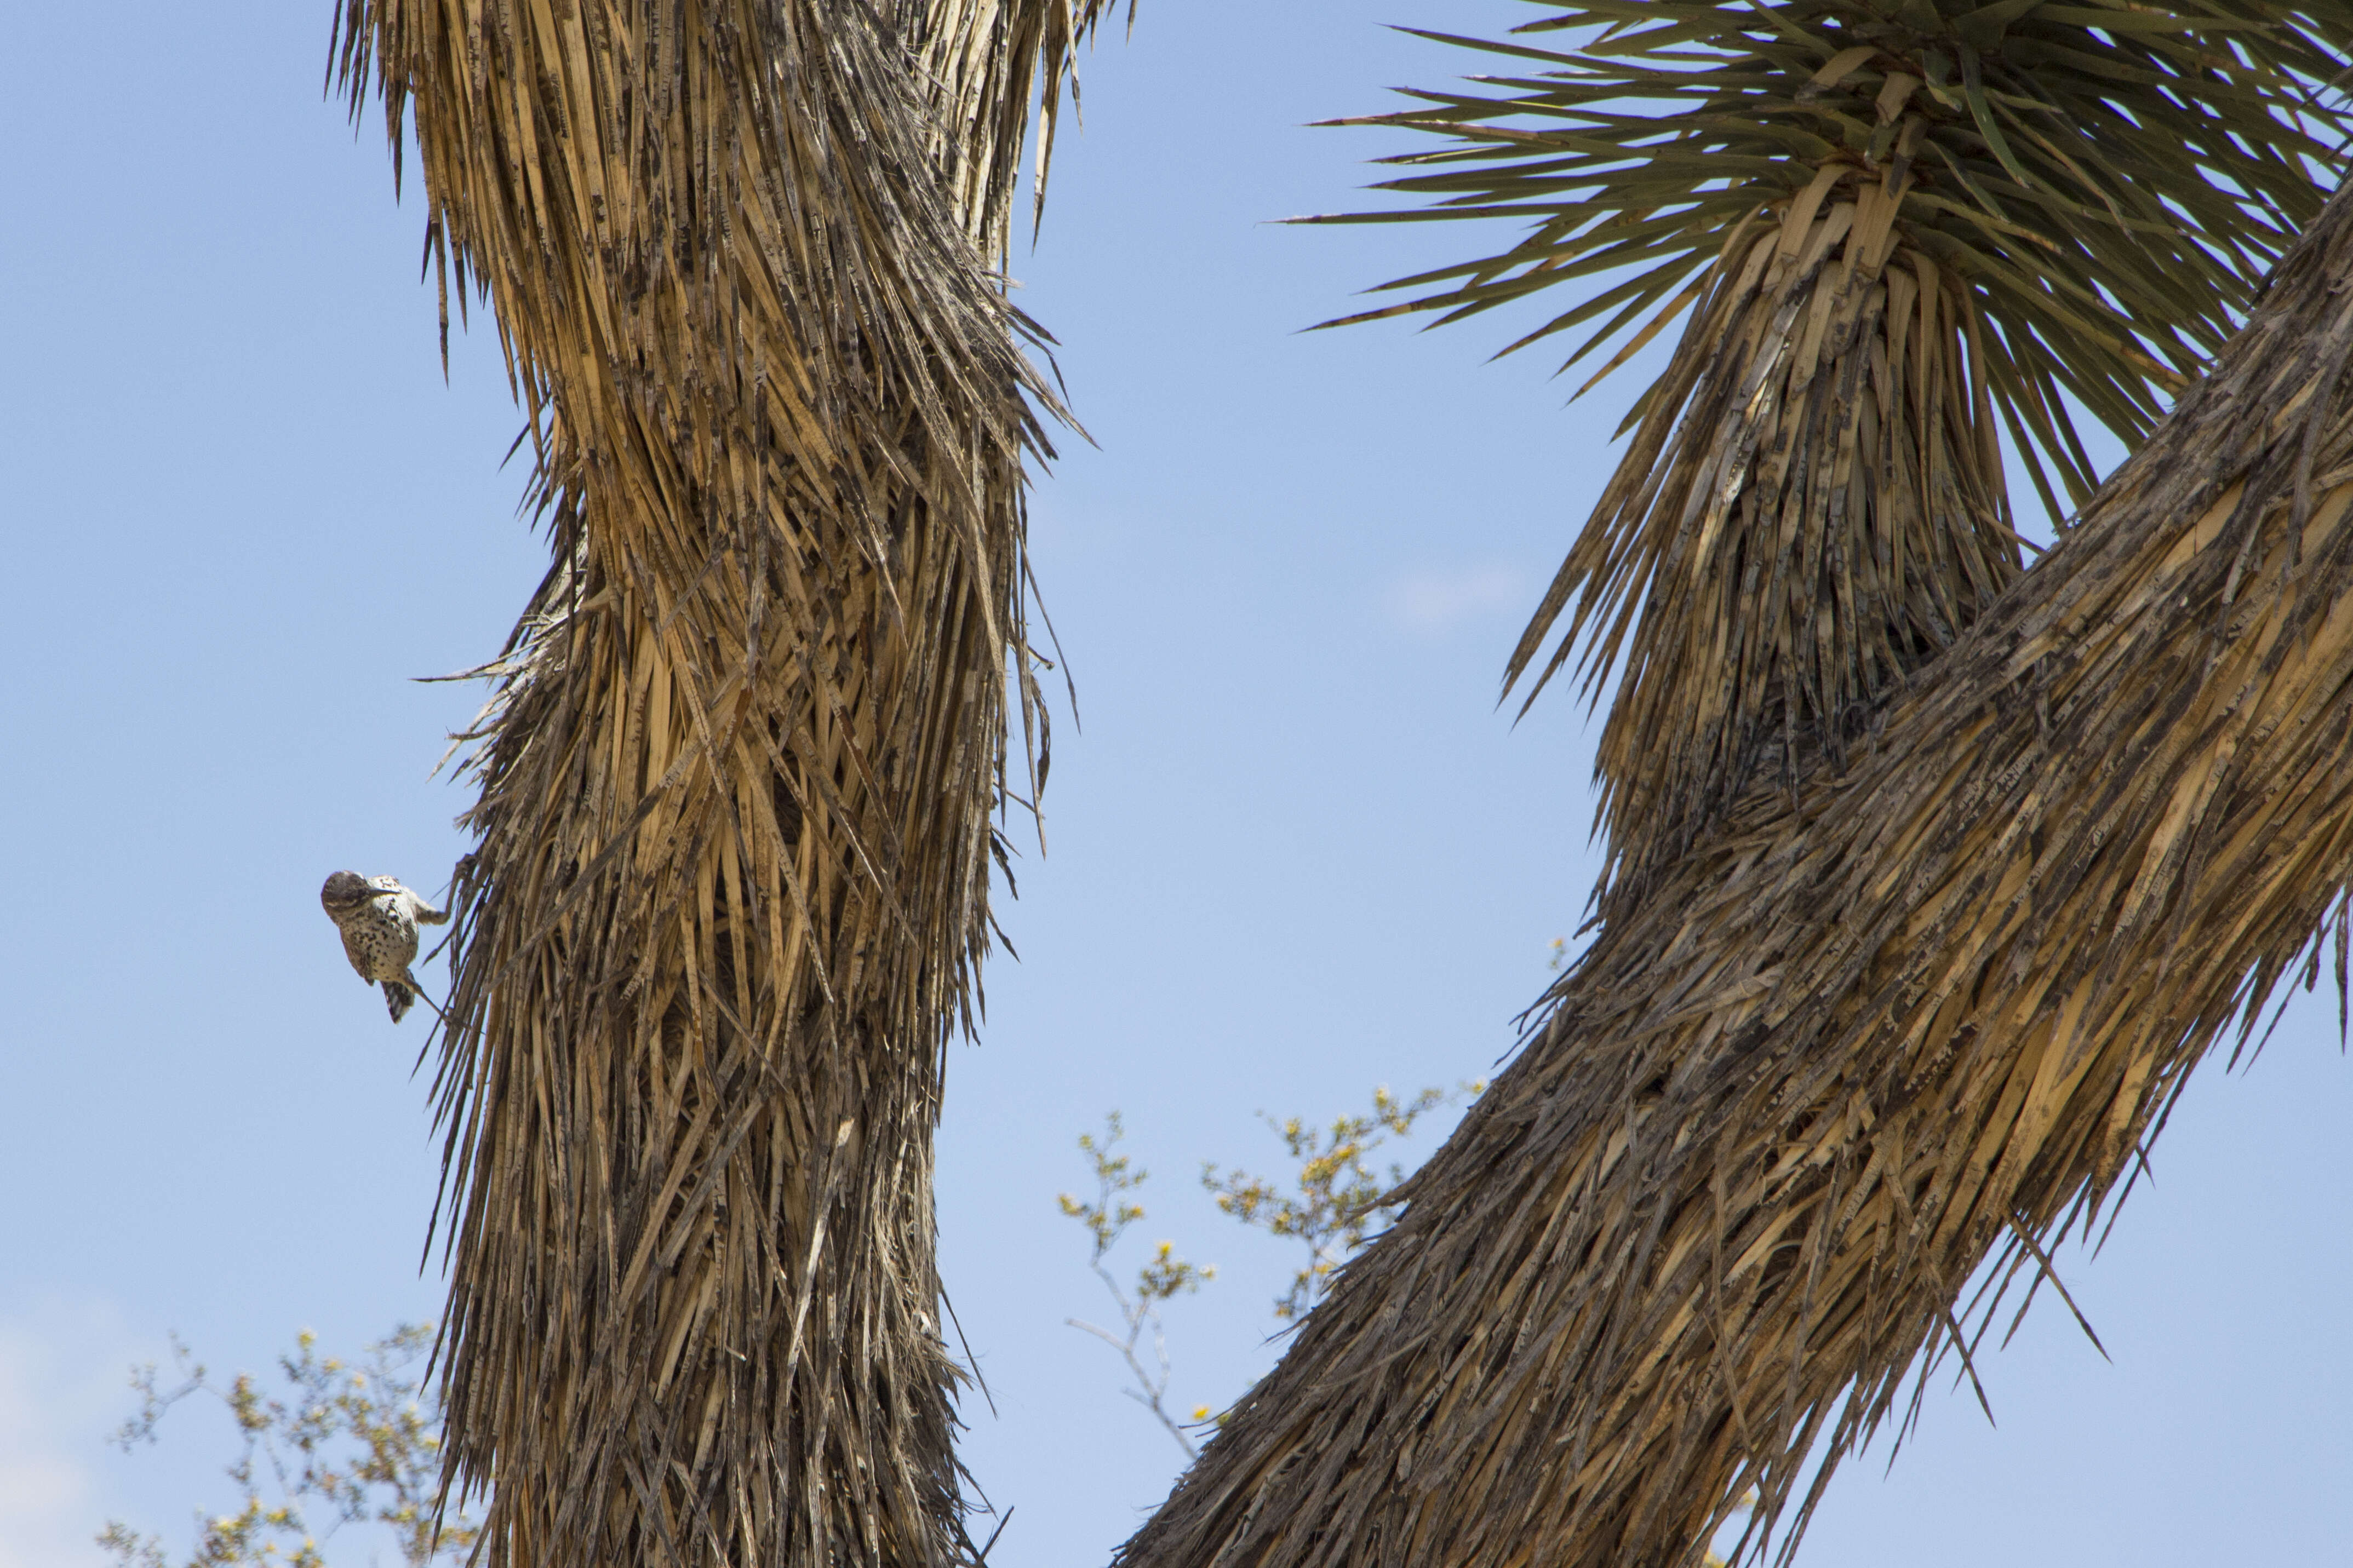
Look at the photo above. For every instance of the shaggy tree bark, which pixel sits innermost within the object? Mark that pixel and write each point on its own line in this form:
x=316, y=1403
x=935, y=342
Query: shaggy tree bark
x=1889, y=231
x=1859, y=1042
x=731, y=890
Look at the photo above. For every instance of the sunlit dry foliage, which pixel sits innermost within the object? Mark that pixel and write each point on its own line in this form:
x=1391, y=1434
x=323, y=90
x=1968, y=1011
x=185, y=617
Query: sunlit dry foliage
x=731, y=886
x=1891, y=228
x=1858, y=1046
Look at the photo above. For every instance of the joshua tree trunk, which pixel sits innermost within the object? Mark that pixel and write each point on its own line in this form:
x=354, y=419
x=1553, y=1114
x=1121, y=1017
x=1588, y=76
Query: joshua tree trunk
x=1897, y=226
x=731, y=888
x=1929, y=882
x=1857, y=1043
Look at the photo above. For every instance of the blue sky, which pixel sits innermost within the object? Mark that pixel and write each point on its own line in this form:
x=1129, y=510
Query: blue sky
x=1296, y=851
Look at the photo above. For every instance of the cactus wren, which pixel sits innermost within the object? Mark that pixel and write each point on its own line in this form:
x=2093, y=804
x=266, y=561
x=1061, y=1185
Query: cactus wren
x=378, y=918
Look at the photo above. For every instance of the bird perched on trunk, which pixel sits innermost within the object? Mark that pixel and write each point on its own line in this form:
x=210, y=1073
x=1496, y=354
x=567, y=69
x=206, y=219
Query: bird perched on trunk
x=379, y=918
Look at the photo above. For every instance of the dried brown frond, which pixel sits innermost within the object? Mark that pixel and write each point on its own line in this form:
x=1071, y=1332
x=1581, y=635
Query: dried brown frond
x=1897, y=226
x=730, y=893
x=1812, y=506
x=1859, y=1045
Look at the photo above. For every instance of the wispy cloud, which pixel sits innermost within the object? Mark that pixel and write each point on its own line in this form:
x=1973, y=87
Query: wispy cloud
x=1441, y=600
x=62, y=1368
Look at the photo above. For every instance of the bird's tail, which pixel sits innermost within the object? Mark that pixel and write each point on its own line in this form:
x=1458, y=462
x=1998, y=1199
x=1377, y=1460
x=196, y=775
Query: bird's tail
x=399, y=994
